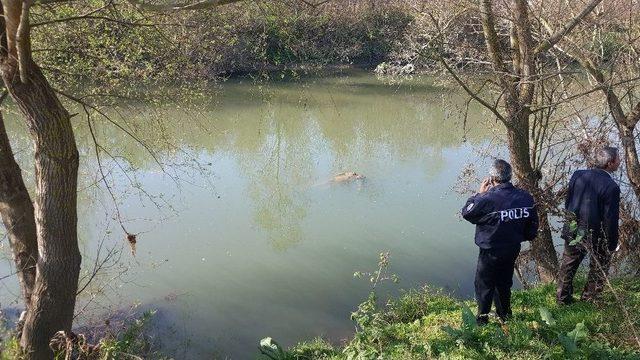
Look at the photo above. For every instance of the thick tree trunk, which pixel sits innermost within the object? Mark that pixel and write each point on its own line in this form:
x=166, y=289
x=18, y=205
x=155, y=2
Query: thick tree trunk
x=631, y=156
x=17, y=214
x=56, y=172
x=56, y=178
x=542, y=248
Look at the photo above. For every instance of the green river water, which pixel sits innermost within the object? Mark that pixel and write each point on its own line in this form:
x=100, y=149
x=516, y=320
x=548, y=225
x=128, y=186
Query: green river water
x=239, y=234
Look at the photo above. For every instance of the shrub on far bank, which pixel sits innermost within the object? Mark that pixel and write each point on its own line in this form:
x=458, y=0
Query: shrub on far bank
x=246, y=37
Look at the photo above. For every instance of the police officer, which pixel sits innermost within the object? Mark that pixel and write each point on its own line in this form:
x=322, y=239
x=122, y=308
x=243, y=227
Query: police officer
x=593, y=203
x=504, y=217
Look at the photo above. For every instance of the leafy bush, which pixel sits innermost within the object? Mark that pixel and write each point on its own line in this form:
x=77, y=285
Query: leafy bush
x=202, y=45
x=131, y=341
x=428, y=324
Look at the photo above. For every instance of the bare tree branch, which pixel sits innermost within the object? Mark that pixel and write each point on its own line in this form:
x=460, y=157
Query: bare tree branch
x=493, y=47
x=104, y=115
x=470, y=92
x=93, y=17
x=549, y=42
x=315, y=4
x=22, y=41
x=205, y=4
x=47, y=2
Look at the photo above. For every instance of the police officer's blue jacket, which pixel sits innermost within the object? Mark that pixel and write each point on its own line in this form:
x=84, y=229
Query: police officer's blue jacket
x=504, y=216
x=594, y=197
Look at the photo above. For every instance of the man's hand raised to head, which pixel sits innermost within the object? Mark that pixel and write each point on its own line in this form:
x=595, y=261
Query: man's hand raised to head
x=485, y=186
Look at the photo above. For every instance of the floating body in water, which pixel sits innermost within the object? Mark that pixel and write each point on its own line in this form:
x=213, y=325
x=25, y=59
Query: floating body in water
x=346, y=177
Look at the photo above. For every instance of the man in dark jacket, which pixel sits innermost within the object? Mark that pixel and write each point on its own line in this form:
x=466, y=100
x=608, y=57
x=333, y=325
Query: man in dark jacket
x=593, y=205
x=504, y=217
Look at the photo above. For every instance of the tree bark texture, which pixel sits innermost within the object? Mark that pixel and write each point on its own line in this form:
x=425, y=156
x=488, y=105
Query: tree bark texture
x=542, y=247
x=56, y=171
x=632, y=162
x=626, y=124
x=52, y=302
x=519, y=88
x=17, y=215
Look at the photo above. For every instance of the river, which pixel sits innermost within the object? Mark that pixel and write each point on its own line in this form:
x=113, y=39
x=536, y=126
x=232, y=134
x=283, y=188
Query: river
x=239, y=235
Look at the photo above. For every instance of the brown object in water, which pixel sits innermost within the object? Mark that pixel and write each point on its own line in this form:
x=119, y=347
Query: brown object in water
x=347, y=176
x=131, y=238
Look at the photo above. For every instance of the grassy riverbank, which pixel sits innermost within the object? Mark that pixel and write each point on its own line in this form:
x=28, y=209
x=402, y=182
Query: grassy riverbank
x=427, y=324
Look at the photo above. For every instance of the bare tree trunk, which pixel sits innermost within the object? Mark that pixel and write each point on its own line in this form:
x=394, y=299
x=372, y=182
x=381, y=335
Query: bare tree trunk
x=17, y=214
x=56, y=178
x=519, y=89
x=56, y=171
x=542, y=247
x=631, y=157
x=626, y=123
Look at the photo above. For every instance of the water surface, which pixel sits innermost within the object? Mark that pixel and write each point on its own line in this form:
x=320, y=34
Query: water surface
x=240, y=236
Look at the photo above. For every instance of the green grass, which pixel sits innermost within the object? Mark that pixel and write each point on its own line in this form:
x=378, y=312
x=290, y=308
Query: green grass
x=9, y=349
x=429, y=324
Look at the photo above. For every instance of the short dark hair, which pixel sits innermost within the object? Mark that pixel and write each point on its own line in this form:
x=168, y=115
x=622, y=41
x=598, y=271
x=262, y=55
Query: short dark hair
x=501, y=171
x=605, y=155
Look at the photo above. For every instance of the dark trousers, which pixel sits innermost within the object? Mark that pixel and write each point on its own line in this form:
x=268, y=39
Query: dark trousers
x=494, y=277
x=573, y=255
